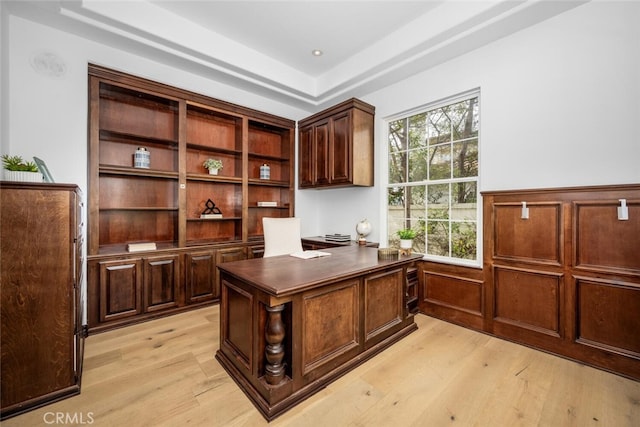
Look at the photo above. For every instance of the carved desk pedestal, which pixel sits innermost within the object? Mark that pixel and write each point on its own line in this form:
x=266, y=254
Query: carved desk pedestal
x=289, y=326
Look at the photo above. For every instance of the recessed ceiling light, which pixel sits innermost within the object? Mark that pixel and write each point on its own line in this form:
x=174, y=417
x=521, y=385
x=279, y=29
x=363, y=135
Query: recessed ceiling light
x=316, y=52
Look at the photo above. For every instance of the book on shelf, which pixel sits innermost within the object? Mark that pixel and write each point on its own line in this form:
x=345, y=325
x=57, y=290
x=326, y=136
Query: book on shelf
x=267, y=204
x=210, y=216
x=310, y=254
x=138, y=247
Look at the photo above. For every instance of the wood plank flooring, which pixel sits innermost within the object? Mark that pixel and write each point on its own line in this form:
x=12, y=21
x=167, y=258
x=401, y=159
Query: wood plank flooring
x=163, y=373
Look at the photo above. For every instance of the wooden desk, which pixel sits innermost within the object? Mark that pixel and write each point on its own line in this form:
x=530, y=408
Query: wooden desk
x=289, y=326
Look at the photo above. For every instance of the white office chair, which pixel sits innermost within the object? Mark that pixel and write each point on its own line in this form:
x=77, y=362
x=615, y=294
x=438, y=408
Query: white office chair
x=281, y=236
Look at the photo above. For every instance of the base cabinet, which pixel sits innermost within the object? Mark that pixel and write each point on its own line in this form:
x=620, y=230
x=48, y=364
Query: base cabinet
x=119, y=288
x=41, y=332
x=126, y=290
x=201, y=273
x=161, y=281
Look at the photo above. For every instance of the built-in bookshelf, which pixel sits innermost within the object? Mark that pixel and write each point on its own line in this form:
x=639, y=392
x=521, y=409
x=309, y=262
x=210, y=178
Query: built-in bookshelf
x=164, y=203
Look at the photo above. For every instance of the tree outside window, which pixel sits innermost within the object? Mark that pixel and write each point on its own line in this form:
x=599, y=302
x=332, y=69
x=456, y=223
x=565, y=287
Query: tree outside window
x=433, y=179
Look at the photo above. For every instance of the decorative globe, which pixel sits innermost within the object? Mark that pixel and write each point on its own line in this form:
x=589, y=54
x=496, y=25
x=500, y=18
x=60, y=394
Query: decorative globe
x=363, y=228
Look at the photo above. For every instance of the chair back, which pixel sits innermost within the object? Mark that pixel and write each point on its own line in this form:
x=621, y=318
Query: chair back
x=281, y=236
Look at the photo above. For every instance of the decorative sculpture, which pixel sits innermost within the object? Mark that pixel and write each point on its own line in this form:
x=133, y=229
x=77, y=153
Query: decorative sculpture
x=211, y=210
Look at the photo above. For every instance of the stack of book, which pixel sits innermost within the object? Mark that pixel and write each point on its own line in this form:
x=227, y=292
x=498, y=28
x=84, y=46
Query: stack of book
x=139, y=247
x=340, y=238
x=268, y=204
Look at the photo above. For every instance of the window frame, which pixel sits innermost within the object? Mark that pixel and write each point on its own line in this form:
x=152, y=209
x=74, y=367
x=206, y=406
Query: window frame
x=473, y=93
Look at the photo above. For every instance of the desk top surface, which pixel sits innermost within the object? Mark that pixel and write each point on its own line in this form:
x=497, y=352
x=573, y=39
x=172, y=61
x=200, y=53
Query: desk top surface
x=285, y=275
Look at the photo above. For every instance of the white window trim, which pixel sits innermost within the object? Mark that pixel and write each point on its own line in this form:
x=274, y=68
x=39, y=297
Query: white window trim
x=384, y=161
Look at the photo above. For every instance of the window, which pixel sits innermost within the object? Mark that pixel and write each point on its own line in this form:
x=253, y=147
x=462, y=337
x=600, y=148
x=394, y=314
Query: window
x=433, y=179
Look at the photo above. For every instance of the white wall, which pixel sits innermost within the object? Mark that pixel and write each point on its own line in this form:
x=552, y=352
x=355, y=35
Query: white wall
x=48, y=115
x=559, y=107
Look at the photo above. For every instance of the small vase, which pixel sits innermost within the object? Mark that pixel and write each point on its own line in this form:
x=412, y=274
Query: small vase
x=213, y=171
x=406, y=243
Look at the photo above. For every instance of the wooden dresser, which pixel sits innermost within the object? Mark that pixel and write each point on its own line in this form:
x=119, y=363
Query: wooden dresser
x=41, y=256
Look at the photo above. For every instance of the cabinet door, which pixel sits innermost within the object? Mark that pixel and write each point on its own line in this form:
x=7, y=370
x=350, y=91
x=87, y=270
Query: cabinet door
x=161, y=278
x=340, y=149
x=306, y=174
x=255, y=251
x=120, y=289
x=227, y=255
x=321, y=151
x=201, y=277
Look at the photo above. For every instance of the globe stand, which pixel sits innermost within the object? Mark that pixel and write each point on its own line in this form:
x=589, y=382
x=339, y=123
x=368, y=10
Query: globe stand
x=363, y=228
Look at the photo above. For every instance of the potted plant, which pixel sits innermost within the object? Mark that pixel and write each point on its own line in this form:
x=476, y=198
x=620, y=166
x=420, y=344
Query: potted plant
x=406, y=238
x=16, y=169
x=213, y=165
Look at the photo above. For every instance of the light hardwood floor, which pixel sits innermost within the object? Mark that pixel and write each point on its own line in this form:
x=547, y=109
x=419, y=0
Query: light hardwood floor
x=163, y=373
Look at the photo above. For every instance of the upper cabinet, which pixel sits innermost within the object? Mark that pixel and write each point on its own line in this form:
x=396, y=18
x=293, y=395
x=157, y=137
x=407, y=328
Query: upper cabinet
x=336, y=147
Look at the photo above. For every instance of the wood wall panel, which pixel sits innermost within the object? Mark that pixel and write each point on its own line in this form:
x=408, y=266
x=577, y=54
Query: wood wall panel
x=238, y=330
x=452, y=293
x=566, y=279
x=528, y=298
x=383, y=302
x=538, y=238
x=456, y=292
x=330, y=323
x=608, y=315
x=602, y=241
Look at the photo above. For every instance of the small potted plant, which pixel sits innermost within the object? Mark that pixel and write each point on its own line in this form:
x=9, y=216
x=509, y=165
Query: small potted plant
x=16, y=169
x=406, y=238
x=213, y=165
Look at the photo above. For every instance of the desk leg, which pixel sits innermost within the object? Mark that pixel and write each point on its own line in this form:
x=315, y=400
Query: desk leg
x=274, y=351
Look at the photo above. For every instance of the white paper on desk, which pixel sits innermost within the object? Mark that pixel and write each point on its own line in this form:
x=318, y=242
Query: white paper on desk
x=310, y=254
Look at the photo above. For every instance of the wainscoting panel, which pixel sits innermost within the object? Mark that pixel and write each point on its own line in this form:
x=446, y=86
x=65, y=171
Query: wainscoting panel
x=452, y=293
x=536, y=238
x=529, y=299
x=455, y=292
x=608, y=315
x=564, y=274
x=604, y=242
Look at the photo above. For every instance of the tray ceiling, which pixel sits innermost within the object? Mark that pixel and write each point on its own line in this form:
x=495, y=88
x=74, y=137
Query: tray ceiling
x=265, y=46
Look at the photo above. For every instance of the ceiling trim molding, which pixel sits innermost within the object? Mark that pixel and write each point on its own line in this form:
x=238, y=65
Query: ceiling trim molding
x=149, y=31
